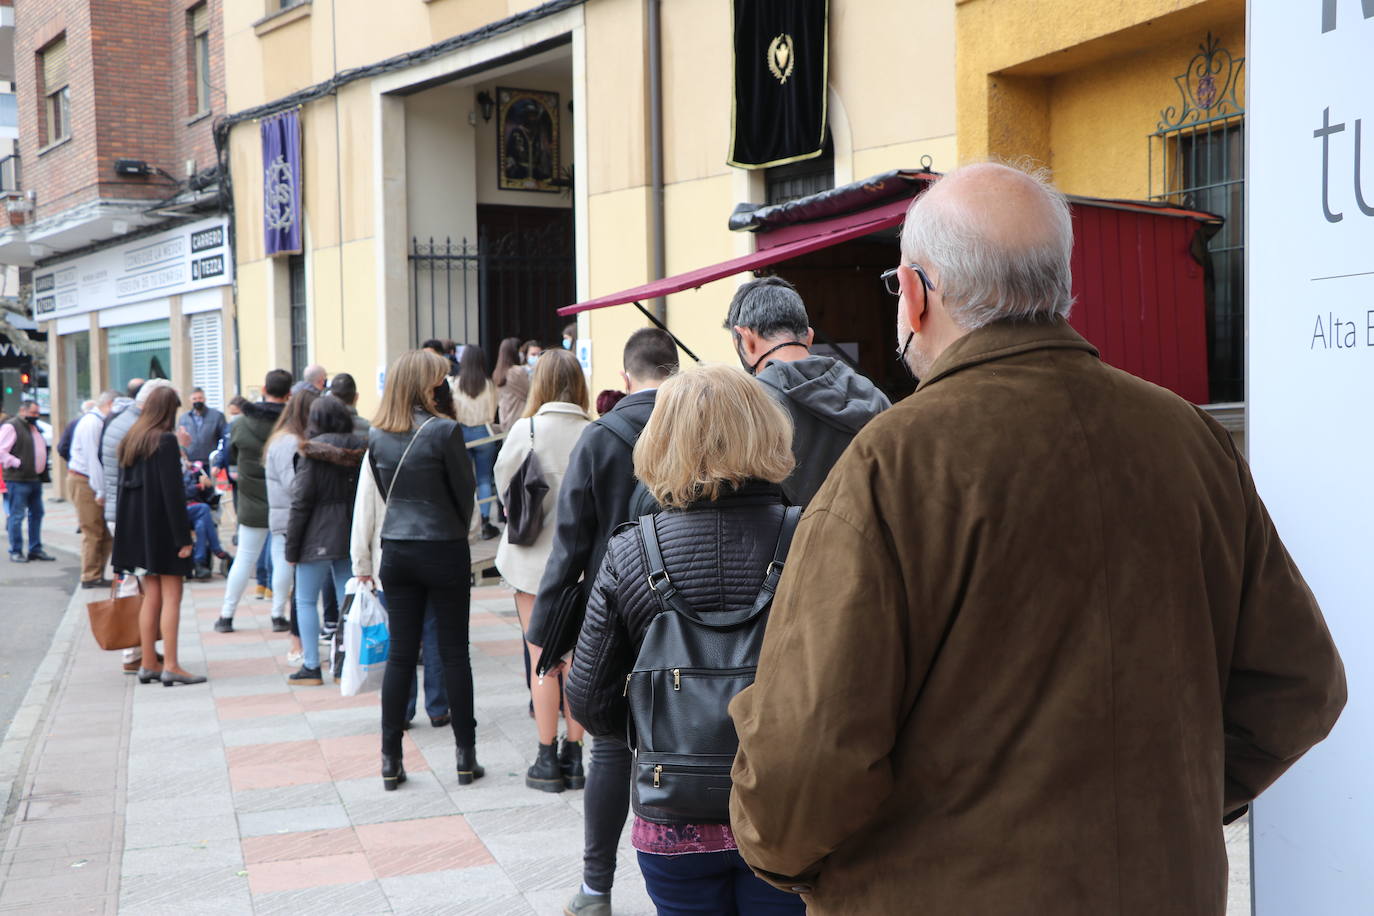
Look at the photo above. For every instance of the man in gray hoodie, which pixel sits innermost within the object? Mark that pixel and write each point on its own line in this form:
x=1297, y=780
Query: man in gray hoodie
x=829, y=402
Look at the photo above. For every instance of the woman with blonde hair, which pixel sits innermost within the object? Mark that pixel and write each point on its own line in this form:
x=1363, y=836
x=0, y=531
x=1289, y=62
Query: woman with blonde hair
x=153, y=536
x=714, y=455
x=417, y=462
x=555, y=415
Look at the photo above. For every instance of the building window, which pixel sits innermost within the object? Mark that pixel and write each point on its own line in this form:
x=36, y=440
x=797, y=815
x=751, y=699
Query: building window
x=295, y=271
x=1197, y=160
x=142, y=350
x=801, y=179
x=198, y=25
x=207, y=356
x=56, y=94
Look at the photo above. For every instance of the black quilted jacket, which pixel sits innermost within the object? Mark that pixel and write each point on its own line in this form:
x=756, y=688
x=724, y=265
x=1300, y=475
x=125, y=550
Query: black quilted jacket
x=716, y=553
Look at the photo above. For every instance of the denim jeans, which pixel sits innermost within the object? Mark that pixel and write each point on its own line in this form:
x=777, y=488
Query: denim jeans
x=207, y=535
x=251, y=543
x=420, y=577
x=282, y=575
x=483, y=465
x=436, y=699
x=25, y=497
x=312, y=579
x=712, y=884
x=264, y=567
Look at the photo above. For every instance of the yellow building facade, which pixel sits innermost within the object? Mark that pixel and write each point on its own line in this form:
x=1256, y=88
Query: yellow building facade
x=401, y=106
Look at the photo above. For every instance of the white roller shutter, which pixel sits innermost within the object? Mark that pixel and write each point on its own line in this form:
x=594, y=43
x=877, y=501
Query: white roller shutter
x=207, y=357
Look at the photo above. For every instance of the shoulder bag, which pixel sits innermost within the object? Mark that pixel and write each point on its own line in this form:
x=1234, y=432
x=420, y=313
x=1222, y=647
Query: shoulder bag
x=525, y=499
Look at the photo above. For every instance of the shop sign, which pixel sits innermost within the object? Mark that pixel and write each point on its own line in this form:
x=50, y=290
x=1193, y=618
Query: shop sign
x=182, y=260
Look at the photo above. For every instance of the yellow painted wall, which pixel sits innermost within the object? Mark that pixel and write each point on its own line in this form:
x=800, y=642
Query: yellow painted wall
x=1079, y=85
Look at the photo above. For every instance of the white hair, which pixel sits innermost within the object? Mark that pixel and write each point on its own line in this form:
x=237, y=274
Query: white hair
x=983, y=280
x=153, y=384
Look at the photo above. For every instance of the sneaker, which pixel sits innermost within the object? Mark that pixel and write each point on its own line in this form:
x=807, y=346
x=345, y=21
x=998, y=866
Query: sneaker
x=262, y=590
x=18, y=558
x=306, y=677
x=490, y=531
x=200, y=573
x=267, y=594
x=295, y=658
x=224, y=625
x=328, y=634
x=583, y=904
x=281, y=625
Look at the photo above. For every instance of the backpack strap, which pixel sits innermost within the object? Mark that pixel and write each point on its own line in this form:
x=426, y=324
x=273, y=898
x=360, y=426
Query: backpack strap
x=670, y=599
x=622, y=428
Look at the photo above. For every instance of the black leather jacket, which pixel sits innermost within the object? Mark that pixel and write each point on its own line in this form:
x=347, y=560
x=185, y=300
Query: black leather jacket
x=716, y=553
x=433, y=496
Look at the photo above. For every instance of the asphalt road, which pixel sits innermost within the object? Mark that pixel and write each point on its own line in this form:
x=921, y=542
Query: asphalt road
x=33, y=597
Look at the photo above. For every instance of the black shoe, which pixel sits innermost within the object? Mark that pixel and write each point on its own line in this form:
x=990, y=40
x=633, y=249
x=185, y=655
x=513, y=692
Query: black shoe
x=224, y=625
x=200, y=573
x=405, y=726
x=468, y=768
x=281, y=625
x=490, y=531
x=41, y=554
x=393, y=772
x=570, y=762
x=440, y=721
x=96, y=583
x=545, y=775
x=18, y=558
x=306, y=677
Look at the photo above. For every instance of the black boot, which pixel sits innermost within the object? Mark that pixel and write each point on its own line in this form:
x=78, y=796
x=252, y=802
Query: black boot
x=545, y=775
x=570, y=762
x=468, y=768
x=393, y=772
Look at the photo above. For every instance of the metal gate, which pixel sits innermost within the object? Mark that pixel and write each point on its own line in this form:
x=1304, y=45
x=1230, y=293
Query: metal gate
x=506, y=285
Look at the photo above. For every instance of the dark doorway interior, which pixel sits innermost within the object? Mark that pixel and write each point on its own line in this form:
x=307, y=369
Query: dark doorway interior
x=528, y=273
x=849, y=307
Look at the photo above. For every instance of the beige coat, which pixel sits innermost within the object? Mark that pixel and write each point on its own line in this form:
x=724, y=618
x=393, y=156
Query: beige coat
x=477, y=411
x=369, y=510
x=557, y=427
x=1036, y=638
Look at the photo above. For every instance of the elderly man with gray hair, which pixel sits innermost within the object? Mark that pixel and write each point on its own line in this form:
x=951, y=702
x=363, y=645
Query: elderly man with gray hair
x=829, y=402
x=1038, y=638
x=86, y=483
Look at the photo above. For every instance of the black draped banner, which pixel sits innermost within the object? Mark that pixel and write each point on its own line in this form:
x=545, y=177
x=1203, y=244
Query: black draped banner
x=780, y=80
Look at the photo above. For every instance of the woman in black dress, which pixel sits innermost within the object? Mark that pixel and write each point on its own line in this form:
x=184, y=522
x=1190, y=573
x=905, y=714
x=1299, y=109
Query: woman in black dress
x=153, y=532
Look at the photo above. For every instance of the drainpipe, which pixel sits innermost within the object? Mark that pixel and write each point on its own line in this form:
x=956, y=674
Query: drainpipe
x=659, y=306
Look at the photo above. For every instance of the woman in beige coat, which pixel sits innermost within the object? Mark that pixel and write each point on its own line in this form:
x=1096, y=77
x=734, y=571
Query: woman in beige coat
x=555, y=416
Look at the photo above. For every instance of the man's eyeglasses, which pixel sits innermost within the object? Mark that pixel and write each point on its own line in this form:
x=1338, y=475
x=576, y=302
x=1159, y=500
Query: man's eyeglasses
x=894, y=286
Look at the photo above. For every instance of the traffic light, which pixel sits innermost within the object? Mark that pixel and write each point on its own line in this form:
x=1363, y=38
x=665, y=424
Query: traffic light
x=24, y=379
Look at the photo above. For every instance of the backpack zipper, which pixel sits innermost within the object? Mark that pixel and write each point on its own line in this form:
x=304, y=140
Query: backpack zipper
x=627, y=683
x=677, y=678
x=658, y=771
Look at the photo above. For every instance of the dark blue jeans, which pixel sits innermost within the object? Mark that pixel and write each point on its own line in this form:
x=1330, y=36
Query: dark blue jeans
x=436, y=700
x=207, y=535
x=265, y=564
x=712, y=884
x=484, y=466
x=24, y=498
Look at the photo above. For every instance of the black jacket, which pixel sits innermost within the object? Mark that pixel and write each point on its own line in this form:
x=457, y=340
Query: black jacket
x=593, y=501
x=716, y=553
x=322, y=497
x=151, y=523
x=433, y=496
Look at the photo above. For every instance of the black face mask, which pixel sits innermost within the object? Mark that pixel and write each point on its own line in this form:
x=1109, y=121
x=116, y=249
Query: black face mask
x=32, y=421
x=198, y=407
x=754, y=369
x=901, y=357
x=443, y=399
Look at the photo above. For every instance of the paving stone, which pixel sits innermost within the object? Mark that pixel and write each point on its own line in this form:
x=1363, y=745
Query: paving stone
x=361, y=898
x=302, y=845
x=421, y=797
x=462, y=890
x=188, y=831
x=208, y=891
x=224, y=853
x=250, y=686
x=268, y=730
x=281, y=797
x=51, y=890
x=46, y=807
x=168, y=810
x=298, y=874
x=293, y=820
x=158, y=787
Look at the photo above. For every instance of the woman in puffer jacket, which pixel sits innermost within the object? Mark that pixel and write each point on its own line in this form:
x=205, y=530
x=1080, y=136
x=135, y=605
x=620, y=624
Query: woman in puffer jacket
x=713, y=454
x=321, y=521
x=279, y=466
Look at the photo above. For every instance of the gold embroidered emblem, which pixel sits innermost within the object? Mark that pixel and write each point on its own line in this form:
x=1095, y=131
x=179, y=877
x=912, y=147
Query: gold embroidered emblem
x=781, y=58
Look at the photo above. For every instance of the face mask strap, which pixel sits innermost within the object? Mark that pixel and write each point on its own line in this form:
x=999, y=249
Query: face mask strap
x=754, y=369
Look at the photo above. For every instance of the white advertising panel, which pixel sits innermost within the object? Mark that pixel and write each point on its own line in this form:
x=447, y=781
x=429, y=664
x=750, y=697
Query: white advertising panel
x=1310, y=307
x=191, y=257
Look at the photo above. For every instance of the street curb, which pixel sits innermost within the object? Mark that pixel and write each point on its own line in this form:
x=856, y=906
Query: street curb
x=32, y=712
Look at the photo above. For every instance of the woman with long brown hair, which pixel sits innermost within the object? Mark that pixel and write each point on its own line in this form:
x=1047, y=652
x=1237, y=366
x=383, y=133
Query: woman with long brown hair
x=279, y=464
x=153, y=536
x=512, y=379
x=417, y=462
x=474, y=404
x=554, y=419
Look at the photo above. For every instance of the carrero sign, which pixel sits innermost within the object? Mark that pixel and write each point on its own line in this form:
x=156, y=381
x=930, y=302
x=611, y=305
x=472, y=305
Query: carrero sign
x=191, y=257
x=1310, y=199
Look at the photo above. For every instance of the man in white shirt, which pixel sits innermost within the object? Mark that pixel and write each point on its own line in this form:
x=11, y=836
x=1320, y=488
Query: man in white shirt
x=86, y=483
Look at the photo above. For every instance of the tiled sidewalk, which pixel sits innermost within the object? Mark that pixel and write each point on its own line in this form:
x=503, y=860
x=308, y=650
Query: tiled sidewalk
x=246, y=795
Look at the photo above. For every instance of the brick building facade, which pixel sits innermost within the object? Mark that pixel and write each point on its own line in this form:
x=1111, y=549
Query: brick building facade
x=116, y=216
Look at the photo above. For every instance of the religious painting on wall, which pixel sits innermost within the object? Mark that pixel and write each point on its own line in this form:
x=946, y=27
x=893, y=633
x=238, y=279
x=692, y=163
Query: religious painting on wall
x=527, y=140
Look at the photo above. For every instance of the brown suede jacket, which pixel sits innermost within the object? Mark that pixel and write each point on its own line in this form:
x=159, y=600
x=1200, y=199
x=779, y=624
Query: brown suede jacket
x=1036, y=638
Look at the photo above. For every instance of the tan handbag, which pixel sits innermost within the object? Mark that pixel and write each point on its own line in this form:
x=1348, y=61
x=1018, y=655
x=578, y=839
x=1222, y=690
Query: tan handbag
x=114, y=620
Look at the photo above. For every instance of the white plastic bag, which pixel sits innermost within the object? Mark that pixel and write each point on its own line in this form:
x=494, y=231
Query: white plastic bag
x=367, y=640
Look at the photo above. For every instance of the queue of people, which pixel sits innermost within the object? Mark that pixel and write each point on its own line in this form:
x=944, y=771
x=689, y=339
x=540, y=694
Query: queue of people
x=917, y=693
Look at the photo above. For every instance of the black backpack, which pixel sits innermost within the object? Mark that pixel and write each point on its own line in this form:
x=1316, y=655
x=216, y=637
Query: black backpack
x=689, y=668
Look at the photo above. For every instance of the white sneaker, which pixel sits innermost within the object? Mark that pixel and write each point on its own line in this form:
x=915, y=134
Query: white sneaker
x=295, y=658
